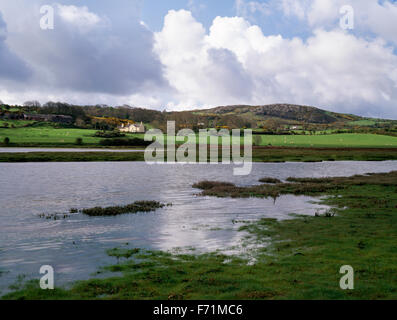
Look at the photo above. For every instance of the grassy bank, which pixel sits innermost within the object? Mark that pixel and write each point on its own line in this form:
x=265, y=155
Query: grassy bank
x=302, y=261
x=260, y=154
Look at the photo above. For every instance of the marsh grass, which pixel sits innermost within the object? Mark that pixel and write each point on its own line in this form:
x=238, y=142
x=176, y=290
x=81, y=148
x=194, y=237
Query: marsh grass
x=138, y=206
x=270, y=180
x=122, y=253
x=296, y=186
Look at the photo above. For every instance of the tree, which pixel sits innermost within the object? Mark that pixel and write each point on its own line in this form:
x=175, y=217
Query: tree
x=33, y=103
x=79, y=141
x=272, y=124
x=6, y=141
x=80, y=123
x=257, y=140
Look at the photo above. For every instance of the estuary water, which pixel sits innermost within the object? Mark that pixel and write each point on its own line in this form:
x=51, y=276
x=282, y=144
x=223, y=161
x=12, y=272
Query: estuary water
x=76, y=246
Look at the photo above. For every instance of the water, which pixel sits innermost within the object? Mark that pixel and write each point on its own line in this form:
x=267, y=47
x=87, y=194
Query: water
x=75, y=247
x=28, y=150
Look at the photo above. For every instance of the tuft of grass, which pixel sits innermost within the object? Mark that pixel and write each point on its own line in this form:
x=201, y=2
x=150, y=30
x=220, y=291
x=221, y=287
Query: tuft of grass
x=208, y=185
x=122, y=253
x=270, y=180
x=138, y=206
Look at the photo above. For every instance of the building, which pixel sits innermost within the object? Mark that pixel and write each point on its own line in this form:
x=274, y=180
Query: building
x=133, y=128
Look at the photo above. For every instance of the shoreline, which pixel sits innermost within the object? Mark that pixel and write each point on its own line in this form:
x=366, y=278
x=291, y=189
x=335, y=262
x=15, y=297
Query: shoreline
x=259, y=154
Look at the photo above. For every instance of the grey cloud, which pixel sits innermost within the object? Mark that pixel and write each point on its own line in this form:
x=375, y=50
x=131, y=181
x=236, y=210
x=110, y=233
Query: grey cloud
x=104, y=57
x=11, y=66
x=229, y=74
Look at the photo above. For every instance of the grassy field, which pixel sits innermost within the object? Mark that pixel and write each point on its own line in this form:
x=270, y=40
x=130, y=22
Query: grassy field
x=48, y=136
x=333, y=140
x=302, y=260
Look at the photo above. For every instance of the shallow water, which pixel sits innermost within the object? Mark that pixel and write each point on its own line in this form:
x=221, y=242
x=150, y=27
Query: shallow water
x=75, y=247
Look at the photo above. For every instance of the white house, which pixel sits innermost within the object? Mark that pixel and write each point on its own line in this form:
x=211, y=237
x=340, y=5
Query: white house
x=133, y=128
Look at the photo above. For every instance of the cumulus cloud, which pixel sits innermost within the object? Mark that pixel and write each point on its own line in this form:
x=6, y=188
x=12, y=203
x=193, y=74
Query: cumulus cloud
x=202, y=74
x=235, y=63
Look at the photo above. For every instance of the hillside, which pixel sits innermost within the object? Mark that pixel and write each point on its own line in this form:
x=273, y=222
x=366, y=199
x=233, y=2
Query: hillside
x=288, y=112
x=270, y=118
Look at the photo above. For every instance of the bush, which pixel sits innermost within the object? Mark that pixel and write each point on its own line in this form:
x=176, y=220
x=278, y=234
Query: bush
x=6, y=141
x=79, y=141
x=257, y=140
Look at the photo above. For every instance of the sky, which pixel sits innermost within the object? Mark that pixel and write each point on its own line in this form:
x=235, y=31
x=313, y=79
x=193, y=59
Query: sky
x=339, y=55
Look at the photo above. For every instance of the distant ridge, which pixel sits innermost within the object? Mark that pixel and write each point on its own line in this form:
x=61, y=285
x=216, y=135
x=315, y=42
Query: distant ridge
x=292, y=112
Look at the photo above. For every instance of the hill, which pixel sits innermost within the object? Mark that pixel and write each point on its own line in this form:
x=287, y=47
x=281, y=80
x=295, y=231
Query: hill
x=269, y=118
x=284, y=111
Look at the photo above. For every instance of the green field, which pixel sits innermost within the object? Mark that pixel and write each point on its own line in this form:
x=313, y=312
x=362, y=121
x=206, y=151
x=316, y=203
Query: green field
x=50, y=136
x=334, y=140
x=363, y=123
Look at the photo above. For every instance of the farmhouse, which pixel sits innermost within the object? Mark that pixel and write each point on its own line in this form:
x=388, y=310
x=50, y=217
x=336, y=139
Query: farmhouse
x=133, y=128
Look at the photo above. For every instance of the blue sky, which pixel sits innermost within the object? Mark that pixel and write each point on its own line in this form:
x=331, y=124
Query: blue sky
x=153, y=12
x=184, y=54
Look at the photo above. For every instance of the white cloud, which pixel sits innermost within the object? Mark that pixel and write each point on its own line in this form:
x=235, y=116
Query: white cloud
x=201, y=73
x=79, y=16
x=248, y=9
x=236, y=63
x=377, y=17
x=295, y=8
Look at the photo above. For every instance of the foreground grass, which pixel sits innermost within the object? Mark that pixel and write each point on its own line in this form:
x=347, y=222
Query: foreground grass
x=302, y=261
x=260, y=154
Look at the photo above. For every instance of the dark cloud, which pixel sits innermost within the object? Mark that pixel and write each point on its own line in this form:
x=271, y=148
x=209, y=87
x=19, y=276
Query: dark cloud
x=86, y=52
x=11, y=66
